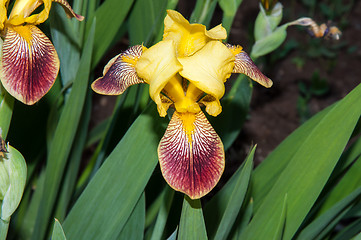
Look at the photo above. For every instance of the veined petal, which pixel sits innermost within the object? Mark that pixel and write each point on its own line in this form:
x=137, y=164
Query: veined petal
x=157, y=66
x=244, y=64
x=189, y=38
x=191, y=154
x=119, y=73
x=209, y=68
x=29, y=63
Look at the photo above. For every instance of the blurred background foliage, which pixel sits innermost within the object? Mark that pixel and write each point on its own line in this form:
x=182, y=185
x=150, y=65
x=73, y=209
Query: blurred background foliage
x=92, y=160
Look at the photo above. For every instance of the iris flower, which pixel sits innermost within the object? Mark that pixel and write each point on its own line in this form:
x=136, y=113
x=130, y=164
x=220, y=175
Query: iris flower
x=29, y=63
x=186, y=70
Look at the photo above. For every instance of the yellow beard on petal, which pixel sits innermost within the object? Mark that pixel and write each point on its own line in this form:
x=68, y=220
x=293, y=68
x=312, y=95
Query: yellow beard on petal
x=24, y=32
x=130, y=60
x=188, y=120
x=234, y=49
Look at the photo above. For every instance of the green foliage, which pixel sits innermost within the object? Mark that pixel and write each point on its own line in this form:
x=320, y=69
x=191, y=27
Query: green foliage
x=191, y=224
x=303, y=179
x=101, y=179
x=229, y=8
x=15, y=166
x=58, y=233
x=317, y=87
x=13, y=178
x=228, y=201
x=6, y=111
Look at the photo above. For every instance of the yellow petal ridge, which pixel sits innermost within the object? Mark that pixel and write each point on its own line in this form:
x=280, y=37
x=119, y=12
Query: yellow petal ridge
x=157, y=66
x=189, y=38
x=3, y=13
x=22, y=9
x=209, y=68
x=188, y=124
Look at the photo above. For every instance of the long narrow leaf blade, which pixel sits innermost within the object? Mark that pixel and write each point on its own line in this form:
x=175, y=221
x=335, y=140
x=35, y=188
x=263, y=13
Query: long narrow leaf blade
x=350, y=181
x=263, y=179
x=308, y=170
x=58, y=233
x=163, y=214
x=145, y=20
x=350, y=232
x=63, y=139
x=134, y=227
x=282, y=222
x=110, y=14
x=6, y=111
x=191, y=224
x=232, y=202
x=327, y=219
x=108, y=200
x=235, y=108
x=66, y=44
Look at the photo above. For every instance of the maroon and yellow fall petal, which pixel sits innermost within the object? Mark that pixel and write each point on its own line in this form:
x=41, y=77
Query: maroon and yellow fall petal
x=29, y=63
x=68, y=10
x=191, y=154
x=119, y=73
x=244, y=64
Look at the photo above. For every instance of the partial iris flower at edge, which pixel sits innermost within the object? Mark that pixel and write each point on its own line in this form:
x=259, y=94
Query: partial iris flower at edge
x=29, y=63
x=185, y=71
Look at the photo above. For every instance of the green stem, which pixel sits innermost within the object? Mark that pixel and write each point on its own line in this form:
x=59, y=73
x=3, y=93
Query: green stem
x=6, y=111
x=203, y=11
x=4, y=226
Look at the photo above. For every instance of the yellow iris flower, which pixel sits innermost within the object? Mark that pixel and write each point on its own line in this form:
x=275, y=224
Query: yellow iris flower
x=186, y=70
x=29, y=63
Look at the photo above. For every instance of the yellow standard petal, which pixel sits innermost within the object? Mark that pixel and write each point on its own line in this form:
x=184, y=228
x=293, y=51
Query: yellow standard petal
x=189, y=38
x=208, y=69
x=3, y=13
x=191, y=154
x=22, y=9
x=157, y=66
